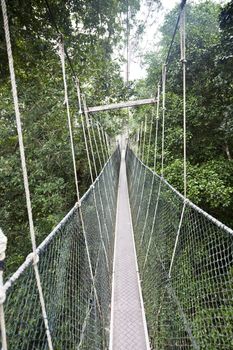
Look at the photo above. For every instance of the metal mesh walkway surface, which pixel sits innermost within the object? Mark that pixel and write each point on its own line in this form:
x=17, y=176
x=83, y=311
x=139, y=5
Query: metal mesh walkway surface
x=128, y=326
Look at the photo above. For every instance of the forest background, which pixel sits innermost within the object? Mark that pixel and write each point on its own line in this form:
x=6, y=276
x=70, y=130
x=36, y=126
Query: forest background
x=93, y=30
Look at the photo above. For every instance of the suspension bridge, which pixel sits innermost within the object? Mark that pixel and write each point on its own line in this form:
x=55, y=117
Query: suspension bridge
x=134, y=265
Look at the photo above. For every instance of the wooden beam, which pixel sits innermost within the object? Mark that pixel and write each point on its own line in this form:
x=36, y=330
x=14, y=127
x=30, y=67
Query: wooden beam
x=121, y=105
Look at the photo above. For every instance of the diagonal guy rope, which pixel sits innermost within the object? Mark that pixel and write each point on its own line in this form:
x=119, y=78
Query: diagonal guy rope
x=24, y=170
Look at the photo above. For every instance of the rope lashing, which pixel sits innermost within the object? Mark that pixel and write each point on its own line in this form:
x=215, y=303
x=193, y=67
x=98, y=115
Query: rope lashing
x=24, y=170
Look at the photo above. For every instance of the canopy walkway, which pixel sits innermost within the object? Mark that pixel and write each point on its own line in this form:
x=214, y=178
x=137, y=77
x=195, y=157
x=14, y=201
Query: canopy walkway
x=134, y=265
x=186, y=284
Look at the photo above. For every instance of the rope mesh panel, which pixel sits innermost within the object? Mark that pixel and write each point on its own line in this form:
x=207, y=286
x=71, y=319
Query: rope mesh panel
x=77, y=319
x=193, y=309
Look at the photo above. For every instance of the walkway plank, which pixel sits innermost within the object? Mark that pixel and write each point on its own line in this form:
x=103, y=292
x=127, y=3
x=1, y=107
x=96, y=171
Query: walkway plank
x=128, y=329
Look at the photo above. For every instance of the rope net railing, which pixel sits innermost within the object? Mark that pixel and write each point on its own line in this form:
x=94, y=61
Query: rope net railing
x=185, y=261
x=78, y=307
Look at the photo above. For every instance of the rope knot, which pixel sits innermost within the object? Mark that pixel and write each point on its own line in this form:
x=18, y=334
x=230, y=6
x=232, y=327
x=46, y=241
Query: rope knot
x=34, y=257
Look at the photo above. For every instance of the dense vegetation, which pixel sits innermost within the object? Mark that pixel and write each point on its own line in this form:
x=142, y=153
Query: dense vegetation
x=209, y=105
x=92, y=30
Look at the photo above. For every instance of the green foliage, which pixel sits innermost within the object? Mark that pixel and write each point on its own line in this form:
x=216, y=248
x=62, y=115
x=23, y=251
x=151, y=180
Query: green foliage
x=91, y=31
x=209, y=106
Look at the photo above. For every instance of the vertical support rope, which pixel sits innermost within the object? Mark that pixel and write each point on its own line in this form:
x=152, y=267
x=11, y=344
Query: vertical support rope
x=183, y=61
x=157, y=127
x=143, y=155
x=164, y=73
x=155, y=161
x=177, y=238
x=133, y=184
x=62, y=57
x=3, y=246
x=146, y=161
x=92, y=178
x=104, y=184
x=24, y=171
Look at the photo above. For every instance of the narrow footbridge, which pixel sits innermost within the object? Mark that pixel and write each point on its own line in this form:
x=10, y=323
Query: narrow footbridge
x=134, y=265
x=169, y=285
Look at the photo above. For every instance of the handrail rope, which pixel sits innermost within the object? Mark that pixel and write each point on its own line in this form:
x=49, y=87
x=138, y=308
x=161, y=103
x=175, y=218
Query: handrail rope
x=155, y=160
x=25, y=176
x=62, y=57
x=189, y=202
x=50, y=237
x=173, y=296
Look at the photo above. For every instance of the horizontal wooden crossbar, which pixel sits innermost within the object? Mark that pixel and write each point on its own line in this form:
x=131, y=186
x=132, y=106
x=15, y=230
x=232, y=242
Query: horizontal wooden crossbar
x=121, y=105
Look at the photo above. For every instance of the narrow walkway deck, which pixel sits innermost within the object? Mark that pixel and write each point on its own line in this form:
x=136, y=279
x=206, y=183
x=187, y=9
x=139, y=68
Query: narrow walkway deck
x=128, y=327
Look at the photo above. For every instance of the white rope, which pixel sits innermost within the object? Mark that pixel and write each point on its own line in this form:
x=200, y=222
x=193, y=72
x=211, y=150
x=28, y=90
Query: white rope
x=155, y=160
x=177, y=238
x=105, y=160
x=143, y=156
x=153, y=224
x=110, y=180
x=104, y=184
x=144, y=139
x=133, y=183
x=183, y=61
x=156, y=128
x=164, y=72
x=92, y=178
x=62, y=57
x=3, y=245
x=144, y=177
x=24, y=170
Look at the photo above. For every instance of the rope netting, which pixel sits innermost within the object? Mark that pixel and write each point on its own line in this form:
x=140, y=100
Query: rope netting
x=78, y=310
x=186, y=265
